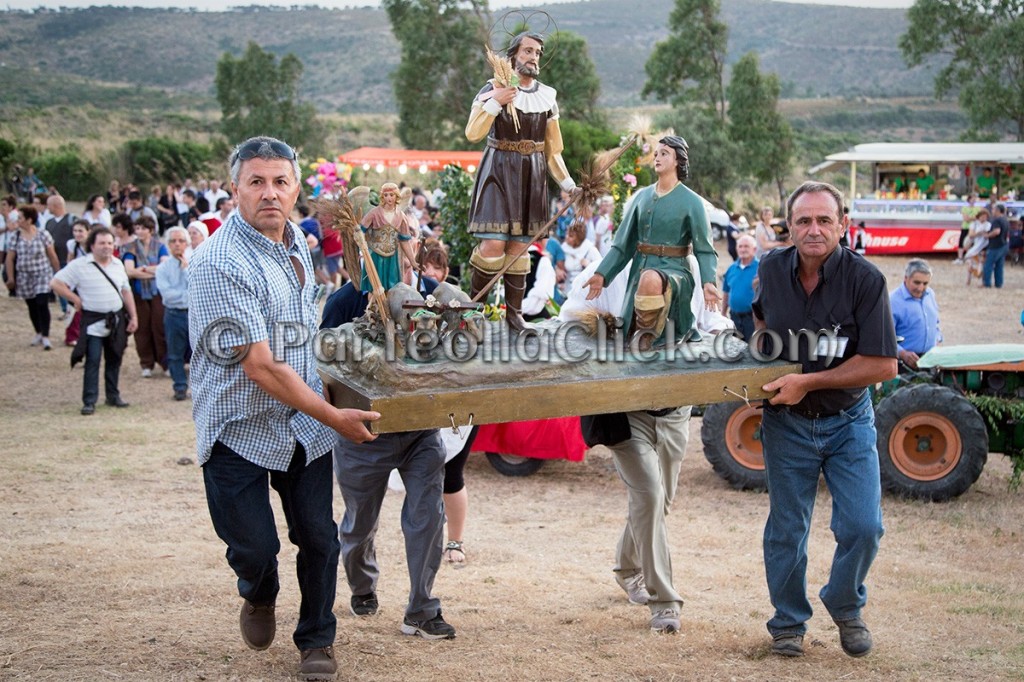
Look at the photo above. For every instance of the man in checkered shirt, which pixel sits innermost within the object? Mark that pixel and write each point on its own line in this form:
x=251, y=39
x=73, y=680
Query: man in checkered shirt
x=258, y=406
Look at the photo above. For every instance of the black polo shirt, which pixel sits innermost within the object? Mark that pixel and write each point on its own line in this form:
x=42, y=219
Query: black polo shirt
x=851, y=299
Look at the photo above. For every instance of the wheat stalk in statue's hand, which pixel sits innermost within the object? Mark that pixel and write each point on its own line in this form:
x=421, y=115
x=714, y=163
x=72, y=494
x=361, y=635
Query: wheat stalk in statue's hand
x=504, y=77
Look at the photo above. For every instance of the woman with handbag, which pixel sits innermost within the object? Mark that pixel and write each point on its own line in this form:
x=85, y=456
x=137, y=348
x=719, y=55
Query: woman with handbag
x=31, y=262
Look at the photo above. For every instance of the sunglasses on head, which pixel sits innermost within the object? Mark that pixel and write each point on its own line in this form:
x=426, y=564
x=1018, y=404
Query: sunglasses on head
x=253, y=148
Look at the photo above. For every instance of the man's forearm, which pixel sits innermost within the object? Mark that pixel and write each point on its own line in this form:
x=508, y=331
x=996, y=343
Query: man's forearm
x=857, y=372
x=282, y=383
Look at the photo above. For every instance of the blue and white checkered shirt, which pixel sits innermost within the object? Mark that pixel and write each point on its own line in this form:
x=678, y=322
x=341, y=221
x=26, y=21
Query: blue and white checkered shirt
x=242, y=287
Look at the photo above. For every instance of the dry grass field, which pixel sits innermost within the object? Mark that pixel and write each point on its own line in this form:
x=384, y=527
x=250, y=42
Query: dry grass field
x=110, y=570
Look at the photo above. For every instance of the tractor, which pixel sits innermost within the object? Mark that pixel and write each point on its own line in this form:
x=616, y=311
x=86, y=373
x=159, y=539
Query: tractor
x=935, y=426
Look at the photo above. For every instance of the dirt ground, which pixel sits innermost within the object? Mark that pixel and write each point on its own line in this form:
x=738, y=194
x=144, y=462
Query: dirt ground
x=109, y=567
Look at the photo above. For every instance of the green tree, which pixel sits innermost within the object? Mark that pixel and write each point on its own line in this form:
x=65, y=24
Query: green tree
x=159, y=159
x=570, y=70
x=8, y=152
x=688, y=67
x=259, y=96
x=67, y=169
x=763, y=137
x=443, y=66
x=457, y=186
x=984, y=43
x=712, y=152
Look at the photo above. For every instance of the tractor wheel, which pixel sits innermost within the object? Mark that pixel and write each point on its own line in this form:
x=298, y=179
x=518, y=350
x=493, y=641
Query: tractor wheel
x=731, y=433
x=511, y=465
x=932, y=443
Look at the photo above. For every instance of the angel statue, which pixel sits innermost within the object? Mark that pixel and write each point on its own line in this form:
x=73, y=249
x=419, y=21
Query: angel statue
x=387, y=227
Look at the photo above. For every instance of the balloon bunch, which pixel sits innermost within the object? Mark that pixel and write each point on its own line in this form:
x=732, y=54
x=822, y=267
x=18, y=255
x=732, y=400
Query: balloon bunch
x=328, y=177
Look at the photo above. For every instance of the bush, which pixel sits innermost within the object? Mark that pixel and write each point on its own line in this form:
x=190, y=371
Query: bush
x=457, y=186
x=155, y=160
x=74, y=176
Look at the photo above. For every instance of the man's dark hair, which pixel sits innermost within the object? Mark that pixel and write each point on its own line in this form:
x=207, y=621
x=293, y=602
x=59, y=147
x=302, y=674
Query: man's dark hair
x=810, y=187
x=95, y=232
x=190, y=194
x=682, y=151
x=220, y=202
x=124, y=221
x=513, y=47
x=135, y=195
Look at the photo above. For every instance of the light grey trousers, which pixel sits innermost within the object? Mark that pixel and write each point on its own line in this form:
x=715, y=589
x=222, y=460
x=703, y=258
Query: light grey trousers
x=362, y=471
x=648, y=464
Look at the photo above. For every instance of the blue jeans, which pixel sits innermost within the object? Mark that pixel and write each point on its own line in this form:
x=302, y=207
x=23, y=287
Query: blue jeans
x=176, y=333
x=95, y=348
x=239, y=501
x=994, y=260
x=796, y=451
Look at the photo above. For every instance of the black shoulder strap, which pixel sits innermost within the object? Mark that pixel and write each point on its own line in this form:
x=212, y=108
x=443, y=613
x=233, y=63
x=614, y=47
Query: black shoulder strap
x=103, y=272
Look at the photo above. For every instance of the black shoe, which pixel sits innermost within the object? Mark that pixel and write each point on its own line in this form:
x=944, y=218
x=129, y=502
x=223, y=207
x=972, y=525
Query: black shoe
x=788, y=644
x=88, y=408
x=854, y=637
x=180, y=394
x=116, y=402
x=364, y=604
x=435, y=628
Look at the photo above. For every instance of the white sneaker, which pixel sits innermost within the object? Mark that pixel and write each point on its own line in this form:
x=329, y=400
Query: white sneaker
x=36, y=340
x=147, y=373
x=46, y=344
x=635, y=588
x=665, y=621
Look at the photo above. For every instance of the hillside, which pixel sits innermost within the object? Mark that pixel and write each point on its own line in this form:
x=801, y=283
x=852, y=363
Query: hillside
x=113, y=57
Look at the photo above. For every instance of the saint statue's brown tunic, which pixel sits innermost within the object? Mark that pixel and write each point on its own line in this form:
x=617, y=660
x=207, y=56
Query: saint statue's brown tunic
x=510, y=196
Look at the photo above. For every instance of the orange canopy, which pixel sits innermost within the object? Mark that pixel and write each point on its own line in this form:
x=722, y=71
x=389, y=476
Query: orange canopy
x=412, y=158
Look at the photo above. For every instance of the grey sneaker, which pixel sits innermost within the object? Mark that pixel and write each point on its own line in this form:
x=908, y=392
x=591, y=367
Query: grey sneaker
x=635, y=588
x=788, y=644
x=665, y=621
x=854, y=637
x=435, y=628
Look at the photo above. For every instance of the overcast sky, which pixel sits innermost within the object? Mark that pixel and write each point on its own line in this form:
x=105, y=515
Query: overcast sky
x=217, y=5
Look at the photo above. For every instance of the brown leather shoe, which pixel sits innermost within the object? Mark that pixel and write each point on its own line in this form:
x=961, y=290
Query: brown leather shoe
x=318, y=664
x=258, y=625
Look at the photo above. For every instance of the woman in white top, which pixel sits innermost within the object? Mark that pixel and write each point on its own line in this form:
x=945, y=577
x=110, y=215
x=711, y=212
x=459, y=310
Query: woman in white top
x=579, y=251
x=96, y=212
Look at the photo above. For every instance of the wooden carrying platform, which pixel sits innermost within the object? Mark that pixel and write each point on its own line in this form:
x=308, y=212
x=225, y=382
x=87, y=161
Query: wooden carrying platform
x=648, y=386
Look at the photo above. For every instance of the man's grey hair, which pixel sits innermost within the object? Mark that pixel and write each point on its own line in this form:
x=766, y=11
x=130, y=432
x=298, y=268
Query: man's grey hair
x=266, y=152
x=811, y=187
x=917, y=265
x=176, y=229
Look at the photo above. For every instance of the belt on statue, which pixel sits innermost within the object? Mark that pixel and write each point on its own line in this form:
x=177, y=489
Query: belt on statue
x=663, y=250
x=524, y=147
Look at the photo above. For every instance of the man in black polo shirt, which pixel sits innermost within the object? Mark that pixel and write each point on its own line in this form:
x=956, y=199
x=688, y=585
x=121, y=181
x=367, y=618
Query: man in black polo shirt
x=998, y=244
x=821, y=421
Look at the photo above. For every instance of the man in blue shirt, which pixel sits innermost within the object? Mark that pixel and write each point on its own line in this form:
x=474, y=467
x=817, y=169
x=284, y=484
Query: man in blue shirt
x=738, y=287
x=915, y=313
x=261, y=419
x=172, y=281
